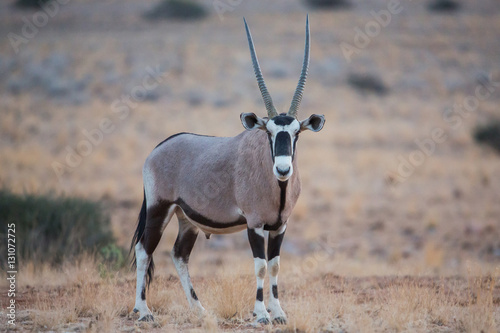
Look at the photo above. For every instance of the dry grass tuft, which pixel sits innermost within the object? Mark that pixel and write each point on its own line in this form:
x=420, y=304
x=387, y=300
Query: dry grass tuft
x=230, y=296
x=481, y=314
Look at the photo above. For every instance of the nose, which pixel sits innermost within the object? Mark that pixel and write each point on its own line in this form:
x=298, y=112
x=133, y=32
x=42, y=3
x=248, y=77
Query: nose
x=283, y=172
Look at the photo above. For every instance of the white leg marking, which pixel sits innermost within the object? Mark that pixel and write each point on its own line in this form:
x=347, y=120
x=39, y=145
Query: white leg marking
x=277, y=313
x=142, y=266
x=260, y=308
x=182, y=270
x=259, y=231
x=279, y=231
x=274, y=303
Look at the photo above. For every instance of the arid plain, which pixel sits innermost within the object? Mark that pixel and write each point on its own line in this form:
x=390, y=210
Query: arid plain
x=398, y=225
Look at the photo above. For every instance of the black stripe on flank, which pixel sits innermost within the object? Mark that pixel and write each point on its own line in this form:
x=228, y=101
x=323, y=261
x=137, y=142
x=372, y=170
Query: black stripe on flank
x=173, y=136
x=260, y=295
x=257, y=244
x=283, y=144
x=197, y=217
x=275, y=291
x=193, y=295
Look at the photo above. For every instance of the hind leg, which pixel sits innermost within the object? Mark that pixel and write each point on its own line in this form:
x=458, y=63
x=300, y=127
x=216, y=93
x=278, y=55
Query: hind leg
x=142, y=263
x=157, y=217
x=180, y=255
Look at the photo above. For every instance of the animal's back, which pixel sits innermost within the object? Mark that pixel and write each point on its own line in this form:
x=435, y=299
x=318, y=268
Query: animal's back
x=198, y=170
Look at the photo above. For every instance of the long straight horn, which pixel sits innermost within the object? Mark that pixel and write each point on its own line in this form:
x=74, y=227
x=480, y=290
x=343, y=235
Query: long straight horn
x=297, y=97
x=271, y=111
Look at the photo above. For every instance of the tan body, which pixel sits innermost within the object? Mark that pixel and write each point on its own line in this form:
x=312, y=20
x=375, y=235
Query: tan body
x=222, y=179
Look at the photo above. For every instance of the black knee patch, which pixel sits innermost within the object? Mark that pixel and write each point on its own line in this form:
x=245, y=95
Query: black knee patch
x=274, y=246
x=193, y=295
x=257, y=244
x=143, y=294
x=184, y=244
x=260, y=295
x=275, y=291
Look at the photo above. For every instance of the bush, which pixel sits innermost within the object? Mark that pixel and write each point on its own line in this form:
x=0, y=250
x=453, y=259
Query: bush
x=327, y=4
x=50, y=229
x=31, y=3
x=443, y=6
x=489, y=135
x=365, y=83
x=112, y=258
x=177, y=9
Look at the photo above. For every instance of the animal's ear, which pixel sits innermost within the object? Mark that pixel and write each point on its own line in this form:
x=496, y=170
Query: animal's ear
x=250, y=121
x=314, y=123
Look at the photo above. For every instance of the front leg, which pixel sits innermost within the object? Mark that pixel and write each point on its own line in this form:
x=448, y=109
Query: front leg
x=256, y=239
x=273, y=255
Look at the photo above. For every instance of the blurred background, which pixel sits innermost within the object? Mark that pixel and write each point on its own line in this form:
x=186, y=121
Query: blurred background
x=404, y=178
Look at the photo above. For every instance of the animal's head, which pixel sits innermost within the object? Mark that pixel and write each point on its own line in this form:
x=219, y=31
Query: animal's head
x=282, y=129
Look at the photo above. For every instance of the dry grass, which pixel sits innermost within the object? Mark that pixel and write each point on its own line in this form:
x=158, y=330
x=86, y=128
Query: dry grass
x=314, y=302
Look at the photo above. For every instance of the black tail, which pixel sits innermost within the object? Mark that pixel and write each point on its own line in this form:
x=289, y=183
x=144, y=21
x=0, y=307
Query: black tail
x=139, y=233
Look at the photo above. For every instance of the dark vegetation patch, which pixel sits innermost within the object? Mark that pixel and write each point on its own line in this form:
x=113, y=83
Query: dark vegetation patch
x=367, y=84
x=327, y=4
x=51, y=229
x=443, y=6
x=31, y=3
x=489, y=134
x=177, y=9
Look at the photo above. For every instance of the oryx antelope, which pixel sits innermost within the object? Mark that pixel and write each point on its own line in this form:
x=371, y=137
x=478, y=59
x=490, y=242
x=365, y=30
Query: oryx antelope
x=260, y=188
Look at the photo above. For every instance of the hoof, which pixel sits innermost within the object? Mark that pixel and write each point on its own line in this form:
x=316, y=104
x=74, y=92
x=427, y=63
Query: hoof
x=147, y=318
x=279, y=320
x=135, y=310
x=263, y=321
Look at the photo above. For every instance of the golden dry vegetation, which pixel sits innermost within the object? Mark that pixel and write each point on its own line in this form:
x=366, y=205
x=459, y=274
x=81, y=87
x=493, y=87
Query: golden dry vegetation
x=367, y=249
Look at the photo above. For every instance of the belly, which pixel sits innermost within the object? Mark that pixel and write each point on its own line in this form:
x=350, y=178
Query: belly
x=219, y=230
x=234, y=222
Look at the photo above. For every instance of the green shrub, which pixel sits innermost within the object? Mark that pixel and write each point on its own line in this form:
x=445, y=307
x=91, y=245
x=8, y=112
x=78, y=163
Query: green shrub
x=31, y=3
x=51, y=229
x=177, y=9
x=489, y=134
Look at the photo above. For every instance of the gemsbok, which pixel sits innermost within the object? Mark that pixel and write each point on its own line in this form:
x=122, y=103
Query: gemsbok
x=253, y=183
